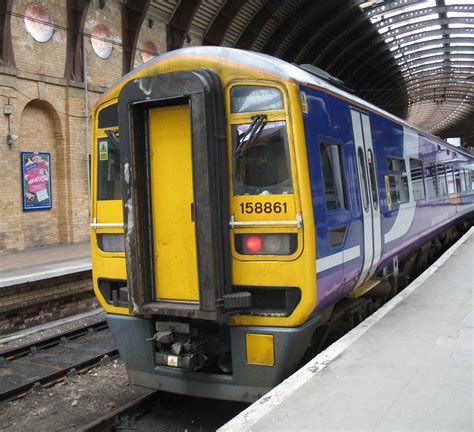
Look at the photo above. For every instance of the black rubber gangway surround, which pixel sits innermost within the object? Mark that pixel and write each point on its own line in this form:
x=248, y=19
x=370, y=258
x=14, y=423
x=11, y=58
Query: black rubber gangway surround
x=201, y=89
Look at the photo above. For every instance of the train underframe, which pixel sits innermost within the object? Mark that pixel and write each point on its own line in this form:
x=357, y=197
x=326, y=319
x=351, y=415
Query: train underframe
x=212, y=360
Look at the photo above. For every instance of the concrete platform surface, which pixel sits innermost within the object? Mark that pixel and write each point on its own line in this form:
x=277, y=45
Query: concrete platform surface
x=408, y=367
x=43, y=262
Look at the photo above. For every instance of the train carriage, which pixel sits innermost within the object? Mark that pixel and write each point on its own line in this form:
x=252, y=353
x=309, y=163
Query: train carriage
x=238, y=200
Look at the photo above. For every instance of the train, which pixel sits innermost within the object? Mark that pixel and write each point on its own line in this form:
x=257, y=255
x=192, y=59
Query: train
x=239, y=201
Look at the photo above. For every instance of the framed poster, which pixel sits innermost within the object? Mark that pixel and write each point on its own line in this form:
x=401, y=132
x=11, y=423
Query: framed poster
x=36, y=181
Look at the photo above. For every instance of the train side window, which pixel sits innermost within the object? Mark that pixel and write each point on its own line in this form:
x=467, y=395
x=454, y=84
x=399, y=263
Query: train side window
x=442, y=184
x=109, y=186
x=373, y=179
x=465, y=176
x=248, y=98
x=363, y=180
x=336, y=236
x=450, y=179
x=459, y=180
x=332, y=176
x=417, y=181
x=432, y=181
x=467, y=173
x=398, y=180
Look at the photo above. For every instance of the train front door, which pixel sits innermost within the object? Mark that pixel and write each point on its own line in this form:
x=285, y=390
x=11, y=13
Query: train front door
x=372, y=242
x=175, y=194
x=172, y=197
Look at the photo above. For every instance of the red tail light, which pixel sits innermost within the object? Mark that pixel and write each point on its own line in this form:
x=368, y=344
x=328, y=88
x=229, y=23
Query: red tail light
x=253, y=244
x=266, y=244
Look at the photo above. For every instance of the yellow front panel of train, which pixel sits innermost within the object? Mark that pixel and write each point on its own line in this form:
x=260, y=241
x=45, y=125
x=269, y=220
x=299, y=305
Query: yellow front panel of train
x=174, y=238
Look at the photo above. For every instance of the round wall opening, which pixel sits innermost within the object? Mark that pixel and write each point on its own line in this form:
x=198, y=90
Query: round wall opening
x=38, y=23
x=100, y=41
x=149, y=51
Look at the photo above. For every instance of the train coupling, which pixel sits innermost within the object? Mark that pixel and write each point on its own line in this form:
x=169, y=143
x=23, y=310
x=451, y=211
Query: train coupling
x=178, y=346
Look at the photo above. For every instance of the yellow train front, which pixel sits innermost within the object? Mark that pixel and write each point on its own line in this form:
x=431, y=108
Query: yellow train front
x=199, y=193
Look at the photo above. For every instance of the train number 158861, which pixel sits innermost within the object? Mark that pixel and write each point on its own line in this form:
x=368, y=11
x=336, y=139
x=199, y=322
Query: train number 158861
x=267, y=207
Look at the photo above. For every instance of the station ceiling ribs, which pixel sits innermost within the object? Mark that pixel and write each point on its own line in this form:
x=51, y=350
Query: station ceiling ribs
x=7, y=58
x=413, y=58
x=133, y=14
x=76, y=17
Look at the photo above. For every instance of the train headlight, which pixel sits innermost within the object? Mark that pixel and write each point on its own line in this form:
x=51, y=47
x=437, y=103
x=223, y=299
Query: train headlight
x=266, y=244
x=111, y=242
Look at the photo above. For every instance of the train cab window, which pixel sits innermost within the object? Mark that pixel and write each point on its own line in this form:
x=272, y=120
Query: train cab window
x=109, y=186
x=398, y=181
x=108, y=117
x=442, y=184
x=417, y=181
x=332, y=176
x=255, y=98
x=261, y=160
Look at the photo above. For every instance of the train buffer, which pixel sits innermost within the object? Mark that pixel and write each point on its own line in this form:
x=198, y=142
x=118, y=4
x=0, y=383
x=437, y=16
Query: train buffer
x=409, y=366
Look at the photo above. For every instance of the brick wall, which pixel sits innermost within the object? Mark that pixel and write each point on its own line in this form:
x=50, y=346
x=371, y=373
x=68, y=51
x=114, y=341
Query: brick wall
x=103, y=72
x=155, y=32
x=29, y=304
x=45, y=58
x=49, y=116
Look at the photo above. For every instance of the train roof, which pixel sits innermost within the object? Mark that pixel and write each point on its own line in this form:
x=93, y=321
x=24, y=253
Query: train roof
x=283, y=69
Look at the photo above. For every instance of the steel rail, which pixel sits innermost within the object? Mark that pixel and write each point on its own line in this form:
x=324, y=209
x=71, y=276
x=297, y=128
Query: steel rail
x=51, y=379
x=109, y=421
x=21, y=351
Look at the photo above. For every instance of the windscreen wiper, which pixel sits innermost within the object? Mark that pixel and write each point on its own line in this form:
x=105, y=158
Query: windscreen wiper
x=247, y=139
x=113, y=135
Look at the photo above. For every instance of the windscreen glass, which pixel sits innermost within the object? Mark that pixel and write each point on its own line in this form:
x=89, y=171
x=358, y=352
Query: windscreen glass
x=261, y=161
x=255, y=98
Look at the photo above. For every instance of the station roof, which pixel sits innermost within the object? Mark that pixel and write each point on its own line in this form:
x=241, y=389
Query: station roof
x=415, y=59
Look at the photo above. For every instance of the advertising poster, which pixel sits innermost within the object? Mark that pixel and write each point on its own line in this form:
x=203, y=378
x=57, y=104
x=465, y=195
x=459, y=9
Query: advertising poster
x=36, y=175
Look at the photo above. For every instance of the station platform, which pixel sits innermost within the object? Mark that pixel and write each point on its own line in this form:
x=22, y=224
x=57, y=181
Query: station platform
x=409, y=366
x=43, y=263
x=43, y=284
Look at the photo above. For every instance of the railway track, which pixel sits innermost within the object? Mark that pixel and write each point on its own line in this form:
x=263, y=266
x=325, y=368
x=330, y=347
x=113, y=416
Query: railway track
x=131, y=410
x=44, y=363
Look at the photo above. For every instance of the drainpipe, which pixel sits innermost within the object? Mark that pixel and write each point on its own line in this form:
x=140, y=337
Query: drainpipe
x=86, y=111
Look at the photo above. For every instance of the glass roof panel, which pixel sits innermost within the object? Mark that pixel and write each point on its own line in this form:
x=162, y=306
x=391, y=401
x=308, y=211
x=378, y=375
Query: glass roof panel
x=430, y=42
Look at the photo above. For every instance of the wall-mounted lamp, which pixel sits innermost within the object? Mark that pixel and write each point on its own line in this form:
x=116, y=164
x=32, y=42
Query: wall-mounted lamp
x=11, y=138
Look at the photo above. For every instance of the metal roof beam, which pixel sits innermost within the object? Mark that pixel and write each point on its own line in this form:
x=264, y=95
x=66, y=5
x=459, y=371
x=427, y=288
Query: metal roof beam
x=7, y=56
x=329, y=38
x=180, y=22
x=216, y=32
x=256, y=24
x=133, y=14
x=307, y=8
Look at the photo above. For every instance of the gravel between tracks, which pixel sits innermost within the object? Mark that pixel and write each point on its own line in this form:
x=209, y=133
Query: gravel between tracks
x=66, y=406
x=84, y=398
